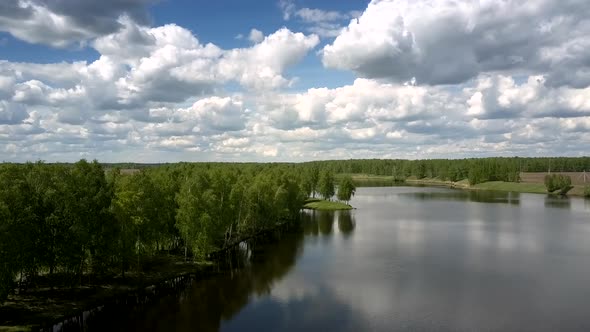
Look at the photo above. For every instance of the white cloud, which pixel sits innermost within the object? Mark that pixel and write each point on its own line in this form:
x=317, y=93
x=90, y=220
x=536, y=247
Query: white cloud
x=449, y=42
x=215, y=114
x=140, y=66
x=11, y=113
x=261, y=65
x=501, y=97
x=324, y=23
x=364, y=119
x=255, y=36
x=61, y=23
x=288, y=8
x=318, y=15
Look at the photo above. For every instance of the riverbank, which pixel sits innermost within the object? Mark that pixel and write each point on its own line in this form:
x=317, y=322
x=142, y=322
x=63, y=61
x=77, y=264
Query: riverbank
x=50, y=303
x=521, y=187
x=318, y=204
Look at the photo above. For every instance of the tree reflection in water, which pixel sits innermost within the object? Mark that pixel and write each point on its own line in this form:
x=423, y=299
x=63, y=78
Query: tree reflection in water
x=325, y=220
x=207, y=302
x=561, y=202
x=346, y=223
x=251, y=273
x=322, y=222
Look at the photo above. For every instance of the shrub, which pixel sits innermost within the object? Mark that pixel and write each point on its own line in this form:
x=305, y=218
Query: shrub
x=560, y=182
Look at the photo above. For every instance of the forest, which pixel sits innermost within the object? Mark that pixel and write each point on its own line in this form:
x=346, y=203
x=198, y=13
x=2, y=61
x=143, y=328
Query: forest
x=92, y=218
x=83, y=218
x=476, y=170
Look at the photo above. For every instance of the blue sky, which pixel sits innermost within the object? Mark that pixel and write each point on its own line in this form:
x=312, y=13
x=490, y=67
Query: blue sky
x=292, y=80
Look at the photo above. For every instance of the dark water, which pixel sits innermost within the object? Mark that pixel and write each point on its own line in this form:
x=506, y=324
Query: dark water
x=408, y=259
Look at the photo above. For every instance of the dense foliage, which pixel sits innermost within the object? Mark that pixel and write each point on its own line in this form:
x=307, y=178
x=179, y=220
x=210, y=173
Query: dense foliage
x=560, y=182
x=69, y=220
x=346, y=189
x=326, y=184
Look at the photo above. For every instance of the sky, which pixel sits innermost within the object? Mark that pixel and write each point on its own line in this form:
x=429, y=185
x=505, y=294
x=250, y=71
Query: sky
x=292, y=80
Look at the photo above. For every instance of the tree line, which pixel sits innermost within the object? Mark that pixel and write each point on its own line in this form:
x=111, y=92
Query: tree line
x=476, y=170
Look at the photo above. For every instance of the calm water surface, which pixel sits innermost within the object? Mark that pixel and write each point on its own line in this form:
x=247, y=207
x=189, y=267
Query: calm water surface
x=408, y=259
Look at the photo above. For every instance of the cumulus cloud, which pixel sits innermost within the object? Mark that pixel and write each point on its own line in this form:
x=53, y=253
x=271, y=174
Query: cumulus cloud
x=261, y=65
x=256, y=36
x=450, y=42
x=363, y=101
x=324, y=23
x=166, y=64
x=60, y=23
x=501, y=97
x=11, y=113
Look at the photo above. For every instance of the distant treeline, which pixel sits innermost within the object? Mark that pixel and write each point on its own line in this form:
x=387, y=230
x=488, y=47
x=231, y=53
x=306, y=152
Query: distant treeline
x=476, y=170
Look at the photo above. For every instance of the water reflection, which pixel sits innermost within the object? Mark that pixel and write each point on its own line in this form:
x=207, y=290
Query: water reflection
x=322, y=222
x=560, y=202
x=320, y=311
x=309, y=223
x=208, y=303
x=325, y=221
x=422, y=259
x=346, y=223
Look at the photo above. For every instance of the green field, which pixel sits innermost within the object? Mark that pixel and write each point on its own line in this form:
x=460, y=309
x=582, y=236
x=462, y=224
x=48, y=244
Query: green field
x=365, y=177
x=521, y=187
x=535, y=188
x=326, y=205
x=438, y=182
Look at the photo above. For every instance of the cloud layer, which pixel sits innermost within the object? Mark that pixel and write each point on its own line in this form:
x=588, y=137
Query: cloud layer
x=435, y=79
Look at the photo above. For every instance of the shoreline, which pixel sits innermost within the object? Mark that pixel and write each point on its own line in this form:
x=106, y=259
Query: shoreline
x=73, y=308
x=324, y=205
x=50, y=307
x=519, y=187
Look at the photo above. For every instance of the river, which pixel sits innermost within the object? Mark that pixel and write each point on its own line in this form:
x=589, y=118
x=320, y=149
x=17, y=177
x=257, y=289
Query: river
x=407, y=259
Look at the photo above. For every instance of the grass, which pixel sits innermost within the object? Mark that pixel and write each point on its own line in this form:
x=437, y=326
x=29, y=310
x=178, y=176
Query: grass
x=535, y=188
x=436, y=181
x=364, y=177
x=326, y=205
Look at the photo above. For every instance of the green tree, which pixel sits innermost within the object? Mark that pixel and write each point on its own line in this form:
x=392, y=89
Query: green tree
x=135, y=206
x=190, y=214
x=560, y=182
x=314, y=178
x=8, y=263
x=346, y=189
x=326, y=184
